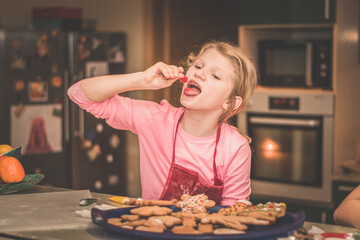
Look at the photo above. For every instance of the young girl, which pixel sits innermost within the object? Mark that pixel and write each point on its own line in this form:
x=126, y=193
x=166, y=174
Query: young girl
x=189, y=149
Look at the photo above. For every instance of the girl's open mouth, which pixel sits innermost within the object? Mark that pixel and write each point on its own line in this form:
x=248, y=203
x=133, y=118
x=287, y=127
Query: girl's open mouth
x=192, y=89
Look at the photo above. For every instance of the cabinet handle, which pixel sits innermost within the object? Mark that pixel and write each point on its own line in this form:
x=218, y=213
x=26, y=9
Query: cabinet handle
x=327, y=9
x=345, y=188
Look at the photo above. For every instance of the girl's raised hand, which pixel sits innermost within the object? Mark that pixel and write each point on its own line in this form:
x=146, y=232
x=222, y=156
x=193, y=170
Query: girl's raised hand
x=161, y=75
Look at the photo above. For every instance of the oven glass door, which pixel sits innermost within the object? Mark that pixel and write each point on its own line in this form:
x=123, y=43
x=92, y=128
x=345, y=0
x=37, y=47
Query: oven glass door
x=286, y=149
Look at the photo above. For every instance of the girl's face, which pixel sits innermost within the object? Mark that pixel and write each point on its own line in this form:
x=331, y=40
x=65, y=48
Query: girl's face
x=209, y=82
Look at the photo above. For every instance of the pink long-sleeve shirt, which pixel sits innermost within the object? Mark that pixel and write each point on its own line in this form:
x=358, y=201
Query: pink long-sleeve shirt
x=155, y=126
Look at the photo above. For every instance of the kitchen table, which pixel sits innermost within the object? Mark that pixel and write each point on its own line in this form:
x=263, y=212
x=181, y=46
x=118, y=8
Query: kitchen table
x=92, y=231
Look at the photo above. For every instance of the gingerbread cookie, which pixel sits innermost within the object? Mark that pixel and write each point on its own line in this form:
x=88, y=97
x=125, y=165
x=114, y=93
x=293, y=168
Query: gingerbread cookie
x=227, y=221
x=148, y=211
x=220, y=231
x=184, y=230
x=253, y=221
x=115, y=221
x=130, y=217
x=150, y=229
x=196, y=216
x=258, y=214
x=236, y=207
x=189, y=221
x=168, y=221
x=278, y=208
x=269, y=211
x=155, y=223
x=205, y=228
x=136, y=223
x=160, y=203
x=195, y=204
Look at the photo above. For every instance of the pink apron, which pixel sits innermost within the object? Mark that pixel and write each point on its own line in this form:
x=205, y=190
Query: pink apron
x=181, y=180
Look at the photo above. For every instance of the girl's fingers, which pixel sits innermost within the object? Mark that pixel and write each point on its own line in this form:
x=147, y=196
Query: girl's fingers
x=171, y=71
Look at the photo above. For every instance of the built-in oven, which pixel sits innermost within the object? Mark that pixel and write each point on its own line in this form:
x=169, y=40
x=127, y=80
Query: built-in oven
x=292, y=137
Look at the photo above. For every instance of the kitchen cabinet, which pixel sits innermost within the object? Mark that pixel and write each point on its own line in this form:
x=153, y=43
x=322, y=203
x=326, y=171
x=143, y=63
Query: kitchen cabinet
x=341, y=189
x=285, y=11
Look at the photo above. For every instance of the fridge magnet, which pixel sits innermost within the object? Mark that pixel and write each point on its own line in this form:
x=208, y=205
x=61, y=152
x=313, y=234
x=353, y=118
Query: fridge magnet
x=96, y=68
x=57, y=111
x=99, y=127
x=114, y=141
x=56, y=81
x=113, y=180
x=19, y=110
x=54, y=68
x=15, y=43
x=42, y=46
x=83, y=49
x=38, y=91
x=90, y=135
x=115, y=55
x=19, y=63
x=86, y=143
x=94, y=152
x=98, y=185
x=96, y=42
x=109, y=158
x=19, y=85
x=37, y=130
x=38, y=77
x=54, y=33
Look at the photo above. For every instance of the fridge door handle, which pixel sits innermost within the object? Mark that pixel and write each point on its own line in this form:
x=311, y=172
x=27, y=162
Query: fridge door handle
x=66, y=107
x=80, y=132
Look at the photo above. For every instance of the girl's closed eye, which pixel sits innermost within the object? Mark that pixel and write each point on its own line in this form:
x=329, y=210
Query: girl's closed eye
x=216, y=76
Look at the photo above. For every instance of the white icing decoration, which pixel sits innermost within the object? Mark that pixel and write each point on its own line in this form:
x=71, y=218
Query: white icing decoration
x=190, y=202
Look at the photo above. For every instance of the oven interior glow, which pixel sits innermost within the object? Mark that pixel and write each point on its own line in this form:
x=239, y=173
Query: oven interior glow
x=270, y=148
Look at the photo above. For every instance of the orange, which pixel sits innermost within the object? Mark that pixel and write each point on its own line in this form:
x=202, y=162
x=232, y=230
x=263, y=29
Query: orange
x=11, y=170
x=5, y=148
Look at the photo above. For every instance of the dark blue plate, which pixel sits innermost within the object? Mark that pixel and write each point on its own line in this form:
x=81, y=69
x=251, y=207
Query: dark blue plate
x=290, y=222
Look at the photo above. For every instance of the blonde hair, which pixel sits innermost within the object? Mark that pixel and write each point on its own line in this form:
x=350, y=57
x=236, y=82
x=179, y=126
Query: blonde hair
x=244, y=78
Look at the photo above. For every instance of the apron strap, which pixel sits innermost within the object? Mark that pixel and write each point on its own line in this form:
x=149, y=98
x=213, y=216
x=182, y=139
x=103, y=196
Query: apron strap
x=215, y=151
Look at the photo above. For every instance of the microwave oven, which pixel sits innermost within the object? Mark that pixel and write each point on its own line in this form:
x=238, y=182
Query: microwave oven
x=295, y=63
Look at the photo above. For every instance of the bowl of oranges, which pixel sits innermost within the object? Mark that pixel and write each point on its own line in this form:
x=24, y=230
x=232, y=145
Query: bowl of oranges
x=12, y=173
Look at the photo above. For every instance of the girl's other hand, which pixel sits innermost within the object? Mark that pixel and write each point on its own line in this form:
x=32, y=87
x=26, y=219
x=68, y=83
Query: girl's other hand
x=161, y=75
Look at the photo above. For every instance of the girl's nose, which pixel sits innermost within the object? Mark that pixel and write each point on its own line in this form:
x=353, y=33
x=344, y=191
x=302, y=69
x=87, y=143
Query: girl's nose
x=200, y=74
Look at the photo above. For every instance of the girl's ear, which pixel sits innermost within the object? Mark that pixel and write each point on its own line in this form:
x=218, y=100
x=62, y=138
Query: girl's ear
x=238, y=101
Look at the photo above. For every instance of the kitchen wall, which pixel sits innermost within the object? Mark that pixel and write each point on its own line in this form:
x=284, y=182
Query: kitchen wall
x=128, y=16
x=347, y=111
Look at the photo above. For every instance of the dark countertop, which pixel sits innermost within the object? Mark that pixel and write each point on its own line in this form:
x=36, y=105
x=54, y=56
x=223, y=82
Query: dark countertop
x=93, y=231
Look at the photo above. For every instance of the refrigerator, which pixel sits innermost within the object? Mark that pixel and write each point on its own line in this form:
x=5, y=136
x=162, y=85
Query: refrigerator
x=69, y=146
